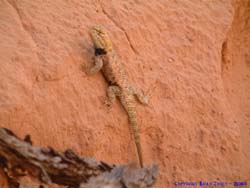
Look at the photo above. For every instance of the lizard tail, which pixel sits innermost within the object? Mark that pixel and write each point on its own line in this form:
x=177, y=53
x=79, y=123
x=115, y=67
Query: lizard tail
x=135, y=132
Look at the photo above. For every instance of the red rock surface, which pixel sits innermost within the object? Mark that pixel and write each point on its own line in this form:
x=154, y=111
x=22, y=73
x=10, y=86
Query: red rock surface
x=192, y=56
x=236, y=77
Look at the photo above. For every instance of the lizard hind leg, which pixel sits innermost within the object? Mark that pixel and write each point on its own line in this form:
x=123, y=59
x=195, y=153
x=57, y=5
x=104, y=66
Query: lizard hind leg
x=112, y=93
x=140, y=96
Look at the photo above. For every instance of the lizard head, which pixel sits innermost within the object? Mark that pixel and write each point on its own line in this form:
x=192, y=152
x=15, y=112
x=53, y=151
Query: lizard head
x=101, y=40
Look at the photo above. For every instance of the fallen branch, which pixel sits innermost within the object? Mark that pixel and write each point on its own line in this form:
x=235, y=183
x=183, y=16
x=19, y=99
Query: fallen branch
x=19, y=158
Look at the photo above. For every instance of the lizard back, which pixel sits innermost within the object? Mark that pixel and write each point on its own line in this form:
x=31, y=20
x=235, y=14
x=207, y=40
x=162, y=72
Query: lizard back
x=113, y=70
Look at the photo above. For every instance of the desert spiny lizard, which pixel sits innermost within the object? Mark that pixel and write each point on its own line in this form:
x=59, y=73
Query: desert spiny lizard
x=108, y=62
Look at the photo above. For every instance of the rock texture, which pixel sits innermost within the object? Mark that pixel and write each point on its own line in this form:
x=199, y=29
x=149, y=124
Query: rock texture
x=192, y=56
x=236, y=77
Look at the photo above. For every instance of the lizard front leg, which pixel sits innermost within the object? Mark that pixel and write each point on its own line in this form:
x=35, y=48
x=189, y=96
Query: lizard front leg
x=98, y=65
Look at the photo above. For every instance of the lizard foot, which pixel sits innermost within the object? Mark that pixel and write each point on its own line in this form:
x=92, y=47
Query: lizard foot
x=107, y=102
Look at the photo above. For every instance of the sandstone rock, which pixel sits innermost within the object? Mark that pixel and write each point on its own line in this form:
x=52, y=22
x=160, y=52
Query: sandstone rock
x=179, y=51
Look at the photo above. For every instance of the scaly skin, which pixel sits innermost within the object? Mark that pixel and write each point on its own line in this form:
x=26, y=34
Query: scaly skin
x=107, y=61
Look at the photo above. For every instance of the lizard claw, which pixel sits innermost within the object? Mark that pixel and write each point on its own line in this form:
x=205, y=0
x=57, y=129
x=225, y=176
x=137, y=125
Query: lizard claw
x=107, y=102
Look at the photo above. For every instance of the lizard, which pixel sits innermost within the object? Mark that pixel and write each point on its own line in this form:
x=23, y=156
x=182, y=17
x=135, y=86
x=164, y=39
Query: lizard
x=106, y=60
